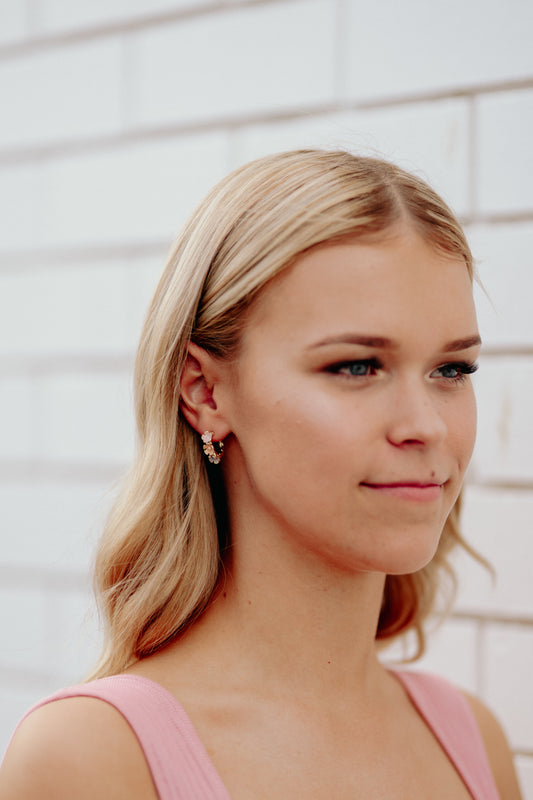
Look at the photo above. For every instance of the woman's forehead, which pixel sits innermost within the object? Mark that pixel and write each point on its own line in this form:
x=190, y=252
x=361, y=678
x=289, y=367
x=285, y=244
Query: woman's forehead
x=378, y=285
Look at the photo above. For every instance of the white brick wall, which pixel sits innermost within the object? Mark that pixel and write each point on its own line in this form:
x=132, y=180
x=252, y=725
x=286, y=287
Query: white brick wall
x=13, y=21
x=250, y=60
x=505, y=157
x=118, y=115
x=405, y=49
x=429, y=138
x=503, y=254
x=44, y=99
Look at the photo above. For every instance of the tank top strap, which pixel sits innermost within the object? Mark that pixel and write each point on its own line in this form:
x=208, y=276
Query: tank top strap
x=447, y=713
x=179, y=764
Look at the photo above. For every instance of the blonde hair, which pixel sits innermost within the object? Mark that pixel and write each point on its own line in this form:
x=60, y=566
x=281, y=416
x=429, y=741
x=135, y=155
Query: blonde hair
x=162, y=551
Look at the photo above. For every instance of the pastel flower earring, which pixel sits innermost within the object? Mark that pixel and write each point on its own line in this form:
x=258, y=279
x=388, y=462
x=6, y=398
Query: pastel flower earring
x=213, y=455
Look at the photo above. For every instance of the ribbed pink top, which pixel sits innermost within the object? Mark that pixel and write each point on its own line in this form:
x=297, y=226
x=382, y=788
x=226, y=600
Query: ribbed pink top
x=182, y=770
x=447, y=712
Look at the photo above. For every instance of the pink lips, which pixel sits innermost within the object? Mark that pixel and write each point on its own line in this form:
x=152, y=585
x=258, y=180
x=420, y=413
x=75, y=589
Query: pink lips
x=419, y=492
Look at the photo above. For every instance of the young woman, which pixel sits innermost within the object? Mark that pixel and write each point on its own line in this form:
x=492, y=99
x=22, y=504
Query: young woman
x=305, y=417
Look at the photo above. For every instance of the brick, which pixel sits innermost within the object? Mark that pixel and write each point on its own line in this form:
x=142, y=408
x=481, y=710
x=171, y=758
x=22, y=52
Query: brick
x=91, y=310
x=497, y=522
x=17, y=417
x=430, y=139
x=328, y=131
x=86, y=418
x=13, y=21
x=508, y=669
x=73, y=640
x=21, y=198
x=505, y=124
x=403, y=48
x=144, y=277
x=524, y=768
x=451, y=652
x=503, y=253
x=504, y=386
x=138, y=193
x=55, y=15
x=62, y=310
x=63, y=93
x=238, y=61
x=51, y=525
x=23, y=632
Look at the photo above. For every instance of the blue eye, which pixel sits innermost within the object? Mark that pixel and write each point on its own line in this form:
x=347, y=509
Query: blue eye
x=455, y=371
x=357, y=369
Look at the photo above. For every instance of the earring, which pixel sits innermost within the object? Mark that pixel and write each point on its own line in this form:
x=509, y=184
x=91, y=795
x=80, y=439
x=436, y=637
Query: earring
x=209, y=447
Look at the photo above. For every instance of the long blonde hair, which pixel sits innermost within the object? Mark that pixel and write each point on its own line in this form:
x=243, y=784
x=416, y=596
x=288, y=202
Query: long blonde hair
x=162, y=550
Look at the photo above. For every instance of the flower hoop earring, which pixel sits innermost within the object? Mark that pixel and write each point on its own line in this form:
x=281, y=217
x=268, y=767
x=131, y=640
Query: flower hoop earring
x=213, y=455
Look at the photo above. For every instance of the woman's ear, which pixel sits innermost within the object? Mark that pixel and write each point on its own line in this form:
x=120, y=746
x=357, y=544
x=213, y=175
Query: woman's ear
x=197, y=387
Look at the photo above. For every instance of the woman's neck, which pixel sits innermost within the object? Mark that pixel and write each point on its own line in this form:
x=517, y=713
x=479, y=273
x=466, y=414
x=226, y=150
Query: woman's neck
x=286, y=621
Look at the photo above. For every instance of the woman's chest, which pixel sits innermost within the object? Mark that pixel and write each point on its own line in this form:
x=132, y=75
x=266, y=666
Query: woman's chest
x=280, y=759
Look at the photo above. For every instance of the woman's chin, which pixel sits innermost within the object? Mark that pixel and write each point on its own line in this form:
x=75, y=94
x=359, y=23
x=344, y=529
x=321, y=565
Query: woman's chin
x=400, y=558
x=411, y=560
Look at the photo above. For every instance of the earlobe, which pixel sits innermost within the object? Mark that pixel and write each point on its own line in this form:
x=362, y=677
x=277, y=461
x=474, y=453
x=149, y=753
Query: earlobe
x=197, y=383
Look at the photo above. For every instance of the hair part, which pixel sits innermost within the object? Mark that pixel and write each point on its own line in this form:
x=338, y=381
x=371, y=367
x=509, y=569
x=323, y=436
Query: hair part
x=161, y=553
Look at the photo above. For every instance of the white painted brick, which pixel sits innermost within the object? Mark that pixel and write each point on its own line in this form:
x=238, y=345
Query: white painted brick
x=80, y=309
x=497, y=522
x=61, y=93
x=401, y=48
x=139, y=192
x=504, y=388
x=241, y=61
x=73, y=640
x=17, y=417
x=56, y=15
x=430, y=139
x=21, y=202
x=23, y=632
x=13, y=21
x=328, y=131
x=524, y=768
x=508, y=670
x=505, y=157
x=145, y=276
x=503, y=253
x=451, y=652
x=51, y=525
x=86, y=418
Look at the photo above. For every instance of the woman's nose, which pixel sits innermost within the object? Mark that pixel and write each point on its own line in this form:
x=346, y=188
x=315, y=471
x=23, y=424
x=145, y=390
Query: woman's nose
x=415, y=416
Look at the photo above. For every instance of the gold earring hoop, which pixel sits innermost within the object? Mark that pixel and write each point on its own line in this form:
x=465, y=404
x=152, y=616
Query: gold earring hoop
x=213, y=455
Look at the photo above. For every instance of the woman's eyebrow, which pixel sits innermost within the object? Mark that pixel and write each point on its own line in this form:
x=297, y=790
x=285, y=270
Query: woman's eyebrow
x=462, y=344
x=355, y=338
x=383, y=342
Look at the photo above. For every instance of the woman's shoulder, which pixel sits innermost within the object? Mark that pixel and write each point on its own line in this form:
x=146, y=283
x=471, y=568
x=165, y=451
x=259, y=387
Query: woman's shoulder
x=497, y=748
x=75, y=746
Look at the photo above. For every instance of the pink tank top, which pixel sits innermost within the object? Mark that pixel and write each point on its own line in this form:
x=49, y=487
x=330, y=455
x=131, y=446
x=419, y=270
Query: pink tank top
x=182, y=770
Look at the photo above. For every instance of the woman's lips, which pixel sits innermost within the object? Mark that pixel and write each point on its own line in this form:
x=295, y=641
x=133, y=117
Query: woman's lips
x=419, y=492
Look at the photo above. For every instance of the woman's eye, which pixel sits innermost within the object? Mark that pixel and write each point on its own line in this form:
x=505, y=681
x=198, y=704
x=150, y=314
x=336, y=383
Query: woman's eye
x=456, y=371
x=358, y=369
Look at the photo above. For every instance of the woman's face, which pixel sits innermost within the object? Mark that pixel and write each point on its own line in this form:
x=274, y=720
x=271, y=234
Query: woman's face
x=351, y=404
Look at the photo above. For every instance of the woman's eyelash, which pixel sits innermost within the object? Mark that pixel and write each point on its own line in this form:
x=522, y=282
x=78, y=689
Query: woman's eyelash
x=367, y=366
x=460, y=369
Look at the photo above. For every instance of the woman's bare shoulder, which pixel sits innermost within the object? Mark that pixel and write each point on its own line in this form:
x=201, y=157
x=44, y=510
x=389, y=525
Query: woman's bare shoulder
x=498, y=750
x=77, y=747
